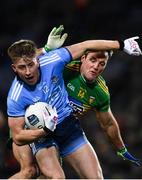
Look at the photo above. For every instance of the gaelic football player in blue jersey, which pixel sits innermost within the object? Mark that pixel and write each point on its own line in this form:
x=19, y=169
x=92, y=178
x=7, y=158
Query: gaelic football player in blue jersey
x=40, y=78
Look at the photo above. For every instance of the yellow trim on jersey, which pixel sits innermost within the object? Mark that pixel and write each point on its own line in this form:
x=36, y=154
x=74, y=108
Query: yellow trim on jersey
x=86, y=107
x=74, y=67
x=102, y=85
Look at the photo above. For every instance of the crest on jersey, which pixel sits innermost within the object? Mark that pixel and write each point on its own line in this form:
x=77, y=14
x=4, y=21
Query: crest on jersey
x=54, y=79
x=91, y=99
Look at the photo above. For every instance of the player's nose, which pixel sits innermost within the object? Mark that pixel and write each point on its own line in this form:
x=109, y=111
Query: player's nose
x=96, y=65
x=28, y=71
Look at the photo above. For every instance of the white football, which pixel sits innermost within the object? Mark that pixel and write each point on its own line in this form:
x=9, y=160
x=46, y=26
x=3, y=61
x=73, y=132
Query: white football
x=36, y=115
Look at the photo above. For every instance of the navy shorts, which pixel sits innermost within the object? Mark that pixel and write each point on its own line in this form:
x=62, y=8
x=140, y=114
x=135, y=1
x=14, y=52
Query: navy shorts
x=67, y=137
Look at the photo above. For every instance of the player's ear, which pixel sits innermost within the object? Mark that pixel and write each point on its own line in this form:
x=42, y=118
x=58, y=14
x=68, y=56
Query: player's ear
x=82, y=58
x=37, y=63
x=13, y=67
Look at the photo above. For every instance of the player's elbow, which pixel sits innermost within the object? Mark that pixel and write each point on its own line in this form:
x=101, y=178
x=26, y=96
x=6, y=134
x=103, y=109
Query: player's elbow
x=18, y=141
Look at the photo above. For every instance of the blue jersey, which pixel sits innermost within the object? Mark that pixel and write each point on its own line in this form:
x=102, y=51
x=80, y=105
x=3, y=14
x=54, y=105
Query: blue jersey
x=50, y=87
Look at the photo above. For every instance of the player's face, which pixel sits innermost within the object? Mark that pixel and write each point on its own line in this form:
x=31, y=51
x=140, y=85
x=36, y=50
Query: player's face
x=27, y=70
x=93, y=64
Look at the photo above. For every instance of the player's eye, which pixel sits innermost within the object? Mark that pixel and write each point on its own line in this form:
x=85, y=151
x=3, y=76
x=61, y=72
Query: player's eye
x=22, y=67
x=92, y=59
x=102, y=63
x=31, y=64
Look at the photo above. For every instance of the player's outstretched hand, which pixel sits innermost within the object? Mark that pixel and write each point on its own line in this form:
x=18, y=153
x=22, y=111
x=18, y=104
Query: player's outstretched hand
x=131, y=46
x=127, y=156
x=55, y=38
x=50, y=119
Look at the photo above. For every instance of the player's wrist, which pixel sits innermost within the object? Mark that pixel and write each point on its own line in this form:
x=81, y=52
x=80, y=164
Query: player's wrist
x=48, y=131
x=122, y=150
x=121, y=45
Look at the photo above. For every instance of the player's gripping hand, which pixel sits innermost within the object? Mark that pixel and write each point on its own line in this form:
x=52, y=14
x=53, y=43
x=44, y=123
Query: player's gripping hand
x=50, y=119
x=127, y=156
x=131, y=46
x=55, y=38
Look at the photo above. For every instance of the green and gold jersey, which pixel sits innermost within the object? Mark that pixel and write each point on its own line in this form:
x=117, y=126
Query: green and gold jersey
x=85, y=96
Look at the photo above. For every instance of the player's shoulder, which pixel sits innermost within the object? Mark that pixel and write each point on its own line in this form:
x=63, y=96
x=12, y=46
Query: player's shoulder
x=61, y=54
x=101, y=79
x=15, y=89
x=101, y=83
x=74, y=65
x=49, y=56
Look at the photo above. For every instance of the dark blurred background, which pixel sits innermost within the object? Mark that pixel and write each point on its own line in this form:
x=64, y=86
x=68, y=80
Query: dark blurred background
x=82, y=19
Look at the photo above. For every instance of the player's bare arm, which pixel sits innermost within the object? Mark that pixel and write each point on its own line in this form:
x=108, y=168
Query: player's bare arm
x=78, y=49
x=23, y=136
x=110, y=127
x=130, y=46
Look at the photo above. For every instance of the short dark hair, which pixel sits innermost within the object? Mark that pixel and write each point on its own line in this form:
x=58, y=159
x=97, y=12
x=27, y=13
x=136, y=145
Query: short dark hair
x=22, y=48
x=110, y=52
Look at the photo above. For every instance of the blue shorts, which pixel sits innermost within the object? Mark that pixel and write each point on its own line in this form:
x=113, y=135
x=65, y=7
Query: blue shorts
x=68, y=137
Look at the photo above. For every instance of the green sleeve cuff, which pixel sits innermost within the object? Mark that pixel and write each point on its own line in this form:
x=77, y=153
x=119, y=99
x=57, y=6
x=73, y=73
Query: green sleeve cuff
x=122, y=151
x=47, y=49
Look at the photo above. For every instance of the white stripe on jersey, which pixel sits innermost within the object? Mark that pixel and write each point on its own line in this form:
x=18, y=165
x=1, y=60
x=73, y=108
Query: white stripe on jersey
x=20, y=89
x=16, y=91
x=46, y=60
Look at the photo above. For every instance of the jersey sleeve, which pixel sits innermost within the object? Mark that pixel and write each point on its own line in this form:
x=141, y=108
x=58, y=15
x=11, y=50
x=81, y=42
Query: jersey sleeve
x=65, y=55
x=104, y=106
x=14, y=109
x=61, y=54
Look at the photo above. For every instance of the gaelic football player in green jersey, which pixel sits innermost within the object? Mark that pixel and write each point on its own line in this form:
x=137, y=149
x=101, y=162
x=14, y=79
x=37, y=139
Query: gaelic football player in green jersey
x=86, y=87
x=87, y=90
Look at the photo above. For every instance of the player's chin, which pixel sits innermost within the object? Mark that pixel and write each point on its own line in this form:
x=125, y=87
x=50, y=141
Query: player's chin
x=92, y=77
x=91, y=80
x=31, y=82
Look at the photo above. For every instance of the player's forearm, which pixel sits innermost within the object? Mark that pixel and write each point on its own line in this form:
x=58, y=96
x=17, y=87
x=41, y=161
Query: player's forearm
x=77, y=50
x=28, y=136
x=113, y=133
